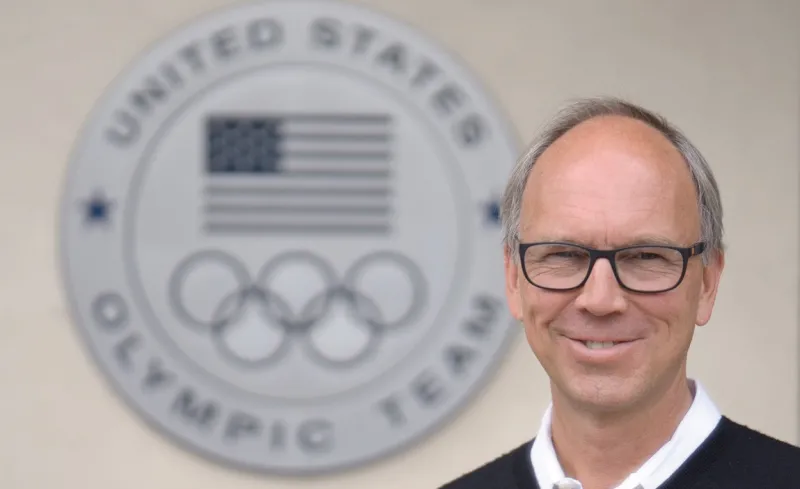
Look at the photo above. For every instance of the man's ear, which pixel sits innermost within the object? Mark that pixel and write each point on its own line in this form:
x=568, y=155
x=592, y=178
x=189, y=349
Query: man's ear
x=512, y=271
x=712, y=272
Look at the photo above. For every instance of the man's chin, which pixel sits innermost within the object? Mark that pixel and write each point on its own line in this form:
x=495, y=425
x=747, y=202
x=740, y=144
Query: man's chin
x=602, y=394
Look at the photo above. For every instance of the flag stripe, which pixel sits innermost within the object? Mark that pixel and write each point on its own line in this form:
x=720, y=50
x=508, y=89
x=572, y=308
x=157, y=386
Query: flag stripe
x=326, y=166
x=297, y=180
x=248, y=191
x=310, y=174
x=332, y=155
x=297, y=209
x=304, y=135
x=339, y=118
x=241, y=228
x=336, y=173
x=295, y=201
x=288, y=145
x=306, y=219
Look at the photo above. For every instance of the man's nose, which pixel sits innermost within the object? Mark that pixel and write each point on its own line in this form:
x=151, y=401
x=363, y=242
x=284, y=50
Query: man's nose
x=602, y=295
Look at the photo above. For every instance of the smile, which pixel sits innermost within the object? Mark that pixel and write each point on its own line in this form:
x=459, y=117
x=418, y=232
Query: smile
x=601, y=351
x=600, y=345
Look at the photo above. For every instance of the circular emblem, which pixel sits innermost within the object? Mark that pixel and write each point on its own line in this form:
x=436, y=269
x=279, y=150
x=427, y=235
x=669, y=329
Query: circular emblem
x=280, y=237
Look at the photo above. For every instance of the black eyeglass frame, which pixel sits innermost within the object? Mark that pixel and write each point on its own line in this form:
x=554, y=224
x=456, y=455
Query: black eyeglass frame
x=611, y=255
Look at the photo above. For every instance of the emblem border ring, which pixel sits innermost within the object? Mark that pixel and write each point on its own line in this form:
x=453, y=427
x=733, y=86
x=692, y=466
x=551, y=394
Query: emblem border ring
x=80, y=318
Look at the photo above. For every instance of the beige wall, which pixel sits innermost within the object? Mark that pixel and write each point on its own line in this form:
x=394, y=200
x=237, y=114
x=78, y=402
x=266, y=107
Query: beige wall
x=726, y=71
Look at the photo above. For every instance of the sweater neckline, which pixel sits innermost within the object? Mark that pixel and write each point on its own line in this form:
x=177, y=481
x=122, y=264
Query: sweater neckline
x=705, y=454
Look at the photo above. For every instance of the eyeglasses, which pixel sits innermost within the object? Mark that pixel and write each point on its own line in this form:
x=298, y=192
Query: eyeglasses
x=645, y=269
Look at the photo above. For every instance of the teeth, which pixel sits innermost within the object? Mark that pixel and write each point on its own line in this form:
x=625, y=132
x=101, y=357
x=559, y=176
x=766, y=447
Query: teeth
x=598, y=345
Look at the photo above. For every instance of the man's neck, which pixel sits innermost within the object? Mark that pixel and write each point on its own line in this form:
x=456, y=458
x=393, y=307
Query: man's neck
x=601, y=450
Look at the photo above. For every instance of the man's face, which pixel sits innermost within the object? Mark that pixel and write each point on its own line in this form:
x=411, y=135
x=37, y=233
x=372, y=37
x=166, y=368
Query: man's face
x=608, y=183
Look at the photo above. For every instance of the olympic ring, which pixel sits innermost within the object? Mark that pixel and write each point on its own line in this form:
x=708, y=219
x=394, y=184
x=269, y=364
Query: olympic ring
x=415, y=276
x=302, y=322
x=223, y=320
x=179, y=276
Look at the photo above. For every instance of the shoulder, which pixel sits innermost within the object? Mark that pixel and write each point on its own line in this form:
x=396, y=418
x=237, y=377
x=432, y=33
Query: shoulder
x=758, y=457
x=753, y=442
x=510, y=470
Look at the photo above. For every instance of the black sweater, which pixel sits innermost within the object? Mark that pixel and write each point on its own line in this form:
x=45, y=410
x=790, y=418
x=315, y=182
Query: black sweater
x=732, y=457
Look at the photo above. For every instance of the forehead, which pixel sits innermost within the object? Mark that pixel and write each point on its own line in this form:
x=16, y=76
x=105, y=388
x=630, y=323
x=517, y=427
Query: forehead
x=610, y=181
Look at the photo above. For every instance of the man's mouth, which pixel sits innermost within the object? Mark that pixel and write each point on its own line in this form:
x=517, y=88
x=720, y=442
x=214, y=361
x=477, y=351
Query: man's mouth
x=602, y=345
x=599, y=345
x=600, y=349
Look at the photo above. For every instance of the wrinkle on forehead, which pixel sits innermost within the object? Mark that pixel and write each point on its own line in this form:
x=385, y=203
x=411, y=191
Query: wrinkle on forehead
x=606, y=182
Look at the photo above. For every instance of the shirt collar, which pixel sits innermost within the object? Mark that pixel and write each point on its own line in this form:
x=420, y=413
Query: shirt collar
x=698, y=423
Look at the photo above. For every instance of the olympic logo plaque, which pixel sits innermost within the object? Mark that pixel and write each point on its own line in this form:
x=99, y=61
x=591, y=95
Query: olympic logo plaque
x=279, y=236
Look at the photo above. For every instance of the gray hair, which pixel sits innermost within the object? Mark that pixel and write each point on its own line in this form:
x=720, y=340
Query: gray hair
x=708, y=197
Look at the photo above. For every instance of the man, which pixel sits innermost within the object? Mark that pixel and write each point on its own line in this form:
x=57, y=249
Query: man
x=613, y=254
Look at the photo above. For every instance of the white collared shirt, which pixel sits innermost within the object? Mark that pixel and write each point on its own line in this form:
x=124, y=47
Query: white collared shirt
x=698, y=423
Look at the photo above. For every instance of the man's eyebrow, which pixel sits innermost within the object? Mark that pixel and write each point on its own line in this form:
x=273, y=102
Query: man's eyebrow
x=651, y=239
x=554, y=238
x=641, y=240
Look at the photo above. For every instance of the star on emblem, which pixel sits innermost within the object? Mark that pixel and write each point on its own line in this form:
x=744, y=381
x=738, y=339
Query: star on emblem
x=491, y=211
x=97, y=209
